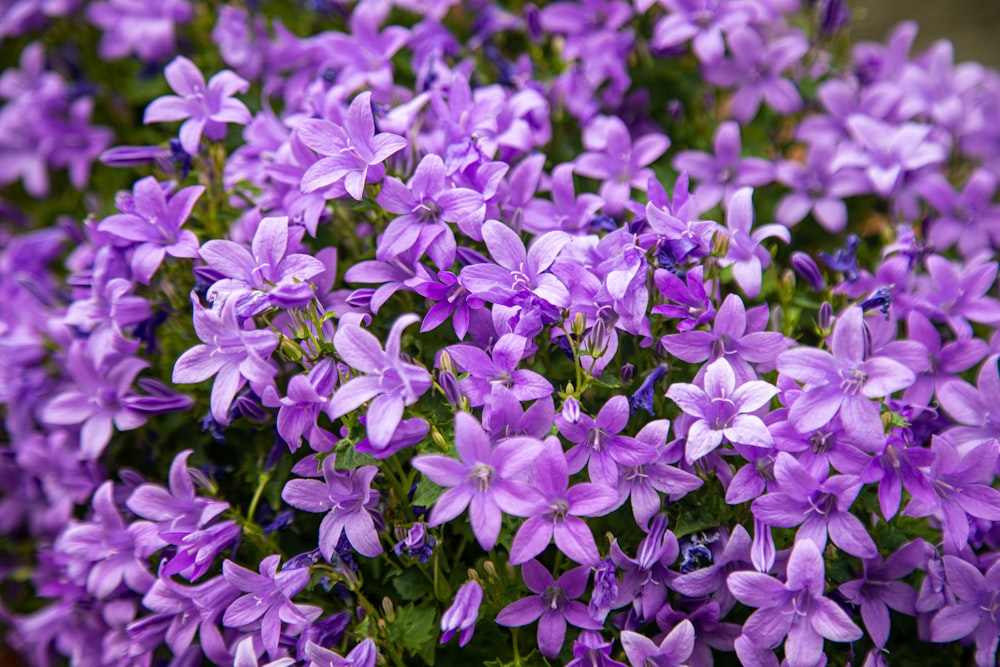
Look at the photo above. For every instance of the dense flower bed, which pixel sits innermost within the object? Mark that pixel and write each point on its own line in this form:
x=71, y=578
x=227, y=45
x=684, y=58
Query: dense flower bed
x=660, y=333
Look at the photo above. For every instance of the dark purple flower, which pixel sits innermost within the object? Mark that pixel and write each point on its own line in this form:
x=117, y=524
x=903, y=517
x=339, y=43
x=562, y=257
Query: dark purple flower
x=553, y=605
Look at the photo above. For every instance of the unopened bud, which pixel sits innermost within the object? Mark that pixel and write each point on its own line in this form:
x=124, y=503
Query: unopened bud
x=720, y=244
x=444, y=362
x=571, y=410
x=491, y=569
x=579, y=324
x=439, y=439
x=289, y=349
x=388, y=609
x=449, y=384
x=786, y=286
x=627, y=373
x=825, y=320
x=806, y=267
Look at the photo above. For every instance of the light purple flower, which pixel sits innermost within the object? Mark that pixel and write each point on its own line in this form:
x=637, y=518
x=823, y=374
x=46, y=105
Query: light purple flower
x=722, y=410
x=747, y=257
x=796, y=608
x=365, y=654
x=721, y=174
x=462, y=614
x=388, y=382
x=352, y=154
x=553, y=605
x=973, y=612
x=207, y=109
x=557, y=514
x=483, y=480
x=499, y=369
x=268, y=599
x=672, y=651
x=348, y=500
x=703, y=22
x=145, y=28
x=153, y=222
x=818, y=188
x=231, y=353
x=820, y=507
x=843, y=382
x=599, y=444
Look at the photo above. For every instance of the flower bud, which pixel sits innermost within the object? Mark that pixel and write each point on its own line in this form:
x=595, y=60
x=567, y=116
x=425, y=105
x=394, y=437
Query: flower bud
x=825, y=320
x=462, y=614
x=806, y=267
x=627, y=373
x=571, y=410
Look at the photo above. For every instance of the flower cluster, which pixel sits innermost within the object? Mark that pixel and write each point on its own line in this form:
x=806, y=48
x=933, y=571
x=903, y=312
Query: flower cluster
x=388, y=324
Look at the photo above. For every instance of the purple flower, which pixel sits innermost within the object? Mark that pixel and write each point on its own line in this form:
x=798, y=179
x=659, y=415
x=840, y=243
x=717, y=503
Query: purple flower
x=99, y=398
x=960, y=479
x=721, y=410
x=755, y=68
x=482, y=480
x=207, y=108
x=703, y=22
x=720, y=175
x=614, y=159
x=745, y=254
x=153, y=223
x=246, y=656
x=737, y=336
x=968, y=218
x=365, y=654
x=599, y=445
x=557, y=514
x=177, y=511
x=880, y=588
x=673, y=651
x=796, y=608
x=194, y=610
x=644, y=483
x=462, y=614
x=553, y=605
x=389, y=382
x=266, y=267
x=109, y=551
x=234, y=355
x=646, y=576
x=818, y=189
x=268, y=599
x=307, y=396
x=516, y=270
x=486, y=373
x=141, y=27
x=424, y=206
x=974, y=611
x=820, y=507
x=349, y=501
x=591, y=650
x=843, y=382
x=353, y=153
x=946, y=362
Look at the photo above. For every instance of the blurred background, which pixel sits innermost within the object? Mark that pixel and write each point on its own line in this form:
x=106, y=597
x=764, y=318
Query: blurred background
x=973, y=25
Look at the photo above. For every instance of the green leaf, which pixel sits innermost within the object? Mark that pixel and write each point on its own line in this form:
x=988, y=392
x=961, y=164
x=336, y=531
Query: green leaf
x=349, y=458
x=416, y=631
x=427, y=493
x=411, y=585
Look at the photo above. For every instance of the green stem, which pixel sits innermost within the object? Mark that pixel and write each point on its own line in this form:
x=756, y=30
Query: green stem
x=258, y=492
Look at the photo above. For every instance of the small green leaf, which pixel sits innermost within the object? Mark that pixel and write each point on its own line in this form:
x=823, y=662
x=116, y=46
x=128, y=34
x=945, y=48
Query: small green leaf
x=411, y=585
x=427, y=493
x=416, y=631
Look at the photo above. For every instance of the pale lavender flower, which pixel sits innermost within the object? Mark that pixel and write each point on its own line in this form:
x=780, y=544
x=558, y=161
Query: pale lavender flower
x=553, y=606
x=462, y=614
x=642, y=484
x=152, y=222
x=722, y=410
x=207, y=109
x=145, y=28
x=755, y=68
x=613, y=158
x=721, y=174
x=246, y=656
x=703, y=22
x=483, y=480
x=109, y=551
x=968, y=218
x=746, y=255
x=362, y=58
x=231, y=353
x=646, y=576
x=818, y=189
x=349, y=501
x=880, y=588
x=307, y=396
x=796, y=608
x=352, y=154
x=388, y=382
x=738, y=337
x=973, y=612
x=268, y=599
